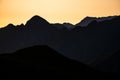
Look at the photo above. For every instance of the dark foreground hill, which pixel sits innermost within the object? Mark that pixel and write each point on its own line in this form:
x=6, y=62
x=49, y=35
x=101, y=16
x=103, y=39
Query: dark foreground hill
x=41, y=62
x=110, y=64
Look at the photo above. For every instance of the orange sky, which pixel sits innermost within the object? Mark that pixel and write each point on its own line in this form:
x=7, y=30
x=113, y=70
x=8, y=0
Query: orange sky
x=19, y=11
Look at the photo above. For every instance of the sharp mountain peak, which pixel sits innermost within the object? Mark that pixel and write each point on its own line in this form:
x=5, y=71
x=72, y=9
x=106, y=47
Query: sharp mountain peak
x=36, y=20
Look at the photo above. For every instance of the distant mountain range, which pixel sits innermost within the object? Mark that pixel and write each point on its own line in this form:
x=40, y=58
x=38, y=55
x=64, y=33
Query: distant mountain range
x=87, y=20
x=89, y=43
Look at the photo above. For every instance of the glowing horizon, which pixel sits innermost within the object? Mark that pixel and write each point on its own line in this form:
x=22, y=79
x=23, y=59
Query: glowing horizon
x=55, y=11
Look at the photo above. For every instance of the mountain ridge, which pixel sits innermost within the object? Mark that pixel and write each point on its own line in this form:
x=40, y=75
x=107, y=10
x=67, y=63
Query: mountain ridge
x=37, y=17
x=36, y=20
x=85, y=44
x=87, y=20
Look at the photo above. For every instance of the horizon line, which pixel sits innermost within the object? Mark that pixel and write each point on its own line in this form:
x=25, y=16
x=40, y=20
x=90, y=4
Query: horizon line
x=58, y=22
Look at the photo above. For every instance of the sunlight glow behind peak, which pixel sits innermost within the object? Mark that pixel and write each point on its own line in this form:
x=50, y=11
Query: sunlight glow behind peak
x=55, y=11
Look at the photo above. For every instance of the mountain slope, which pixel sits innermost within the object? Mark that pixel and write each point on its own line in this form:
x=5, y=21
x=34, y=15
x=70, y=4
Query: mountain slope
x=42, y=62
x=37, y=31
x=110, y=64
x=97, y=40
x=87, y=20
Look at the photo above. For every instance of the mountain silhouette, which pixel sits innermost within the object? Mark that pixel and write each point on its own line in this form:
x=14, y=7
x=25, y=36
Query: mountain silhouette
x=87, y=20
x=91, y=44
x=37, y=21
x=65, y=26
x=36, y=31
x=97, y=40
x=42, y=62
x=69, y=25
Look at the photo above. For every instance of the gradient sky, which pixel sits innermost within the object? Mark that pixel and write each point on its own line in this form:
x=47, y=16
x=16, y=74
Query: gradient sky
x=55, y=11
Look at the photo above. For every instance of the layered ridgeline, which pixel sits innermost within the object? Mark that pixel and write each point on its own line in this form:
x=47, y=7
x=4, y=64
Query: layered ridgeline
x=92, y=44
x=36, y=31
x=87, y=20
